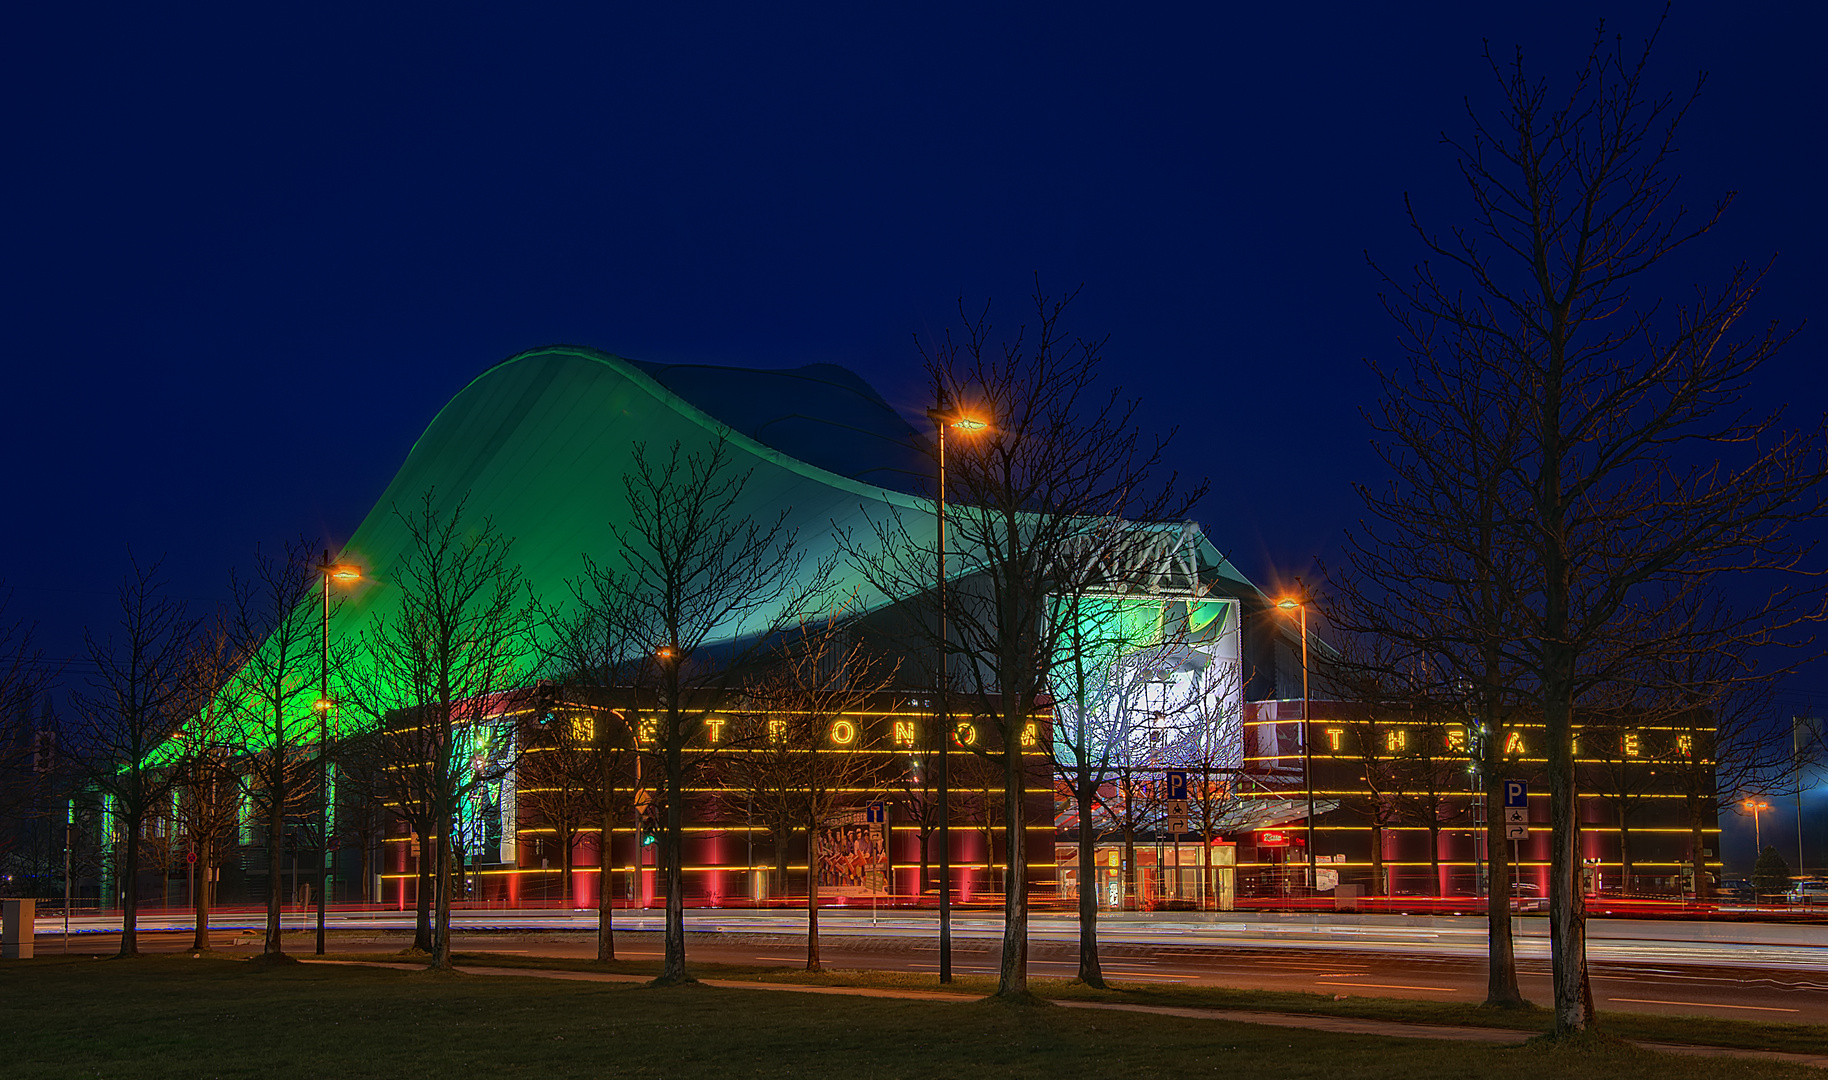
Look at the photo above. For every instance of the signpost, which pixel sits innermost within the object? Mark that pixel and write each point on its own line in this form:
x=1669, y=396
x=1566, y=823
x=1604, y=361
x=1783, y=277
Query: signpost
x=876, y=817
x=1516, y=810
x=1516, y=819
x=1175, y=781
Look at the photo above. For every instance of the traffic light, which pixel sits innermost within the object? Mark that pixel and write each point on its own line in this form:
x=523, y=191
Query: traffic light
x=650, y=830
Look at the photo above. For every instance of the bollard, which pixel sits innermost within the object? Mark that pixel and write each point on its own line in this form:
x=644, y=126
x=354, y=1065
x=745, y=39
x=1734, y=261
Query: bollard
x=18, y=920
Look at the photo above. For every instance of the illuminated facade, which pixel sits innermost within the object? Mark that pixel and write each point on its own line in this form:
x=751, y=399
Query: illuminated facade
x=514, y=852
x=1399, y=813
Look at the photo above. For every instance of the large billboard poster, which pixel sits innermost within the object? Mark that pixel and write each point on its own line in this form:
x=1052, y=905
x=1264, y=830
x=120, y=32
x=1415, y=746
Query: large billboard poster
x=852, y=859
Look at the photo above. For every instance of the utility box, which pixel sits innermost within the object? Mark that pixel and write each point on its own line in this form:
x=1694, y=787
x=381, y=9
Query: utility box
x=18, y=921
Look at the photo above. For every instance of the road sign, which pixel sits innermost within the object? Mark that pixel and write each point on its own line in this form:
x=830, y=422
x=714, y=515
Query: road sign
x=1517, y=832
x=190, y=856
x=1516, y=793
x=1176, y=784
x=876, y=813
x=1516, y=815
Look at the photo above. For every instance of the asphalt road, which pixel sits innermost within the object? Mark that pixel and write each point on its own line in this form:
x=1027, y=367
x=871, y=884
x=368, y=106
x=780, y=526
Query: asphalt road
x=1739, y=970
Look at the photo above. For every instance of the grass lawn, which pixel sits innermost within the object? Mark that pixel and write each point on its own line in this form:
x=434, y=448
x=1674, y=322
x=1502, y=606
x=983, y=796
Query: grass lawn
x=172, y=1016
x=1649, y=1027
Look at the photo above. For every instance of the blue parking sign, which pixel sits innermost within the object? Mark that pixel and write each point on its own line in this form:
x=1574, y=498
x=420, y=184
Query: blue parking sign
x=1177, y=783
x=1516, y=794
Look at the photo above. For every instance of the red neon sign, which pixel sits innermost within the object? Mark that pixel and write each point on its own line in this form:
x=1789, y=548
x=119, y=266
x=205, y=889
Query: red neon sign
x=1271, y=838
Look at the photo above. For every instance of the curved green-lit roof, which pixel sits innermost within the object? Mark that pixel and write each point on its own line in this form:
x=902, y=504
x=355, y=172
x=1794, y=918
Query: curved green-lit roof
x=539, y=444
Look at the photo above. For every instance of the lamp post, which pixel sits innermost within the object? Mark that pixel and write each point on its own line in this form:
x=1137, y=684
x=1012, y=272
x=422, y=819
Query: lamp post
x=322, y=706
x=1289, y=603
x=945, y=416
x=1756, y=806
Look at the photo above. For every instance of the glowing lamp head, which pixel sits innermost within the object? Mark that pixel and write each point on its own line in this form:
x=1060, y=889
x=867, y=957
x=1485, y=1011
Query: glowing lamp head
x=969, y=423
x=346, y=573
x=322, y=704
x=1288, y=603
x=664, y=652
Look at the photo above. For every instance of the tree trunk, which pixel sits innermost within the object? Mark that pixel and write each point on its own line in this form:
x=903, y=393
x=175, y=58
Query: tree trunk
x=1567, y=903
x=674, y=858
x=130, y=894
x=564, y=871
x=200, y=898
x=1012, y=980
x=1090, y=973
x=1377, y=857
x=782, y=841
x=606, y=927
x=1624, y=848
x=441, y=895
x=1132, y=901
x=422, y=895
x=1697, y=840
x=368, y=896
x=926, y=834
x=1501, y=988
x=1434, y=852
x=812, y=898
x=276, y=854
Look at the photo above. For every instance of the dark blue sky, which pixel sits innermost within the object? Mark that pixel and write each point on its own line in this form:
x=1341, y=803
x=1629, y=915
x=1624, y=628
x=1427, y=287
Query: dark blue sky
x=249, y=254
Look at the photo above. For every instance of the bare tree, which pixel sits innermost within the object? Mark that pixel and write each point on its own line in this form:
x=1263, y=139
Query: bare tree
x=208, y=789
x=590, y=646
x=31, y=762
x=1210, y=749
x=128, y=713
x=1719, y=731
x=705, y=587
x=1086, y=751
x=1637, y=474
x=1432, y=760
x=919, y=788
x=272, y=627
x=1060, y=458
x=449, y=667
x=558, y=782
x=805, y=753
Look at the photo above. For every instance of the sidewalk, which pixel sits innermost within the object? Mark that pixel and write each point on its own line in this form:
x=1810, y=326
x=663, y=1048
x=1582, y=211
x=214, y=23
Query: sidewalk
x=1338, y=1024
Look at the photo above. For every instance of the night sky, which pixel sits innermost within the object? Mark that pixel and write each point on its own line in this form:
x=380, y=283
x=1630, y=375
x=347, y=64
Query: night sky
x=249, y=254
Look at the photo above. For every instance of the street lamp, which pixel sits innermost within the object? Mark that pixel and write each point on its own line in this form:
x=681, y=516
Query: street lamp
x=1756, y=806
x=1289, y=603
x=946, y=416
x=344, y=574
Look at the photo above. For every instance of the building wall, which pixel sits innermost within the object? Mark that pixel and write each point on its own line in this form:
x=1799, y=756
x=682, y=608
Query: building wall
x=1347, y=802
x=729, y=861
